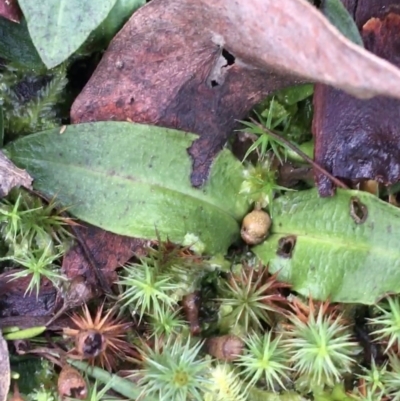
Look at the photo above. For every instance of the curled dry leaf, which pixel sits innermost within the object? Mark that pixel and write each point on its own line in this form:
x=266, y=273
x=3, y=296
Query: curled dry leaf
x=4, y=369
x=11, y=176
x=9, y=9
x=364, y=142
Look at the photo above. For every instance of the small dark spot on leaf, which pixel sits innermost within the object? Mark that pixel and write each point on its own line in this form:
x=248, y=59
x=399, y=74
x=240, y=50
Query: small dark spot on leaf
x=286, y=246
x=119, y=103
x=358, y=211
x=389, y=229
x=131, y=100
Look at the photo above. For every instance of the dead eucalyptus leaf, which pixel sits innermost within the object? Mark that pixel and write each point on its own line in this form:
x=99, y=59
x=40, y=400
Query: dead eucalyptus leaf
x=293, y=36
x=364, y=142
x=11, y=176
x=9, y=9
x=4, y=369
x=163, y=68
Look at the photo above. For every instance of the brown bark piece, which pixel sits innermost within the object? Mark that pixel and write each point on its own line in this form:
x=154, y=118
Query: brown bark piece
x=164, y=68
x=14, y=302
x=108, y=252
x=360, y=139
x=9, y=9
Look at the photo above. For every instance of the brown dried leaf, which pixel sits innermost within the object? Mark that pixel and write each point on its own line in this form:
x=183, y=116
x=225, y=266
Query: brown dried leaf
x=293, y=36
x=11, y=176
x=364, y=142
x=163, y=68
x=9, y=9
x=107, y=250
x=4, y=369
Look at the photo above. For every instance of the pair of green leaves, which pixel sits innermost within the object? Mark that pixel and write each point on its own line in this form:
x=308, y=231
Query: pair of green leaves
x=134, y=179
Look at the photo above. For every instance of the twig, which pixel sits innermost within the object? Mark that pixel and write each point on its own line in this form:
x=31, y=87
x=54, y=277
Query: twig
x=336, y=181
x=96, y=269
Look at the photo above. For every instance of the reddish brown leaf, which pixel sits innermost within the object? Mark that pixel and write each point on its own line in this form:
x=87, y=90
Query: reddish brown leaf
x=163, y=68
x=364, y=141
x=107, y=251
x=9, y=9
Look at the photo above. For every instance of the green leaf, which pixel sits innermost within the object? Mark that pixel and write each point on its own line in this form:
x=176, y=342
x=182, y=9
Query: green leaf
x=16, y=45
x=338, y=16
x=117, y=17
x=132, y=179
x=59, y=27
x=294, y=94
x=343, y=248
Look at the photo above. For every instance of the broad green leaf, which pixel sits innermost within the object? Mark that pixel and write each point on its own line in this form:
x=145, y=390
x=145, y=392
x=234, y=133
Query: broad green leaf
x=132, y=179
x=325, y=249
x=59, y=27
x=117, y=17
x=338, y=16
x=16, y=45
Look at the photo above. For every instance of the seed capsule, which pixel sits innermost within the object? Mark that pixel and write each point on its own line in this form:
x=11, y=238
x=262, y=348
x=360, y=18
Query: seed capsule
x=71, y=384
x=225, y=348
x=191, y=304
x=255, y=227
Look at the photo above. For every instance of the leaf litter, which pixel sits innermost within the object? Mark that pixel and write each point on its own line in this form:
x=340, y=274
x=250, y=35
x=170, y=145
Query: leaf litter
x=202, y=83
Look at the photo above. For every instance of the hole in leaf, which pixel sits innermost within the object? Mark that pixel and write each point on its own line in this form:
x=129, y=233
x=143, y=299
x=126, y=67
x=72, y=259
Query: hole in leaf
x=214, y=83
x=286, y=246
x=358, y=211
x=230, y=58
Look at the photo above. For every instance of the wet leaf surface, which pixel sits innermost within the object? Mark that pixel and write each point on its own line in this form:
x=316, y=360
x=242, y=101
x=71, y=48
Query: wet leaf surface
x=111, y=175
x=11, y=176
x=364, y=142
x=9, y=9
x=341, y=248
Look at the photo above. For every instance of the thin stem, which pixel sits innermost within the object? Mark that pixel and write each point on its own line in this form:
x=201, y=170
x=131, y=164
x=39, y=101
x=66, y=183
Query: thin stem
x=122, y=386
x=336, y=181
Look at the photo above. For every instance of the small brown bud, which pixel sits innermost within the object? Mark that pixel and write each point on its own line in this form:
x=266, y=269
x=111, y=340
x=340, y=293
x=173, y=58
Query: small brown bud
x=191, y=304
x=71, y=384
x=255, y=227
x=226, y=348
